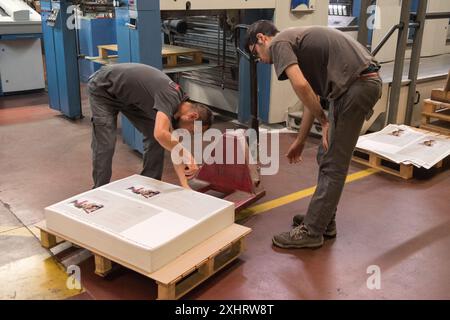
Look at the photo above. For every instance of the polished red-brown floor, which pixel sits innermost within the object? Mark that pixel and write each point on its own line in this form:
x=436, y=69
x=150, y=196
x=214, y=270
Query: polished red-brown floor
x=403, y=227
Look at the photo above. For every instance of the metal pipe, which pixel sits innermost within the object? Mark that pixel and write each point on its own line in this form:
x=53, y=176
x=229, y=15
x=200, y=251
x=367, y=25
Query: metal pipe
x=218, y=39
x=415, y=59
x=399, y=62
x=437, y=15
x=385, y=39
x=253, y=84
x=254, y=97
x=363, y=32
x=224, y=48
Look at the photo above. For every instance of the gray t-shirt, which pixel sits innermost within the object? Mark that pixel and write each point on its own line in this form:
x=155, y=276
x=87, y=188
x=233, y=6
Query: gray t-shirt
x=134, y=85
x=329, y=59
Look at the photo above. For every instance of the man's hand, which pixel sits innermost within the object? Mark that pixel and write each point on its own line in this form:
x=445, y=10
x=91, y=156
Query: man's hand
x=295, y=151
x=190, y=170
x=325, y=129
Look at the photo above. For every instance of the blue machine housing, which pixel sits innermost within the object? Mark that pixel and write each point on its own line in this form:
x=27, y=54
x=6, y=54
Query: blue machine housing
x=94, y=32
x=264, y=72
x=61, y=58
x=138, y=27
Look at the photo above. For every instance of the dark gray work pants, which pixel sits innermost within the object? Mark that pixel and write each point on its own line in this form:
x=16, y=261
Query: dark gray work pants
x=346, y=116
x=104, y=125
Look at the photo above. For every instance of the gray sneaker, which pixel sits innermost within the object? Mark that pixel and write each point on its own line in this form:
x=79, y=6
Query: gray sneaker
x=297, y=238
x=330, y=232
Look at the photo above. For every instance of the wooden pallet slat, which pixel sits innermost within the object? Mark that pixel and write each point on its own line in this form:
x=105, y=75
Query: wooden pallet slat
x=375, y=161
x=47, y=240
x=184, y=273
x=443, y=115
x=103, y=50
x=186, y=282
x=440, y=127
x=440, y=95
x=447, y=85
x=436, y=116
x=176, y=56
x=434, y=106
x=103, y=266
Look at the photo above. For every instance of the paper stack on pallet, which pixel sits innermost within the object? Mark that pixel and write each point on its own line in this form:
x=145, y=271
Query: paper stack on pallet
x=406, y=145
x=140, y=221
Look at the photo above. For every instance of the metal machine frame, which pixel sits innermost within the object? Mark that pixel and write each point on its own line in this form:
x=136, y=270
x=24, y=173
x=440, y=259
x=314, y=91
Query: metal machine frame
x=61, y=56
x=20, y=48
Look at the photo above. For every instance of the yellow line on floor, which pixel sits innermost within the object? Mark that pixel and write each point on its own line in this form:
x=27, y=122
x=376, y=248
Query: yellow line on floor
x=269, y=205
x=28, y=271
x=37, y=277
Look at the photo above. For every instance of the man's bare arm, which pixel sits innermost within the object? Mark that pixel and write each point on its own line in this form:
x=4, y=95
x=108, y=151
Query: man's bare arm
x=164, y=137
x=305, y=93
x=162, y=131
x=309, y=98
x=306, y=125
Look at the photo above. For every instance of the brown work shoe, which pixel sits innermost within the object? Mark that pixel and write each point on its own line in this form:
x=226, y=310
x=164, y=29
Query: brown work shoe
x=330, y=232
x=297, y=238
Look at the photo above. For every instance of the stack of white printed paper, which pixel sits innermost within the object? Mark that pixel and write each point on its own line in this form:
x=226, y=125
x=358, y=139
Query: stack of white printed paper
x=140, y=221
x=404, y=144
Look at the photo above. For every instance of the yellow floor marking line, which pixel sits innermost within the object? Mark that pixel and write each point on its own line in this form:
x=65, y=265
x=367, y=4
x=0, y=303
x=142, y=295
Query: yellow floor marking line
x=19, y=232
x=269, y=205
x=37, y=276
x=8, y=228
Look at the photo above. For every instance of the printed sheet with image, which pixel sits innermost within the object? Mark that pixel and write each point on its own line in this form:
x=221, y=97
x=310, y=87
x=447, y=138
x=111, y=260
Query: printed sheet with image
x=404, y=144
x=140, y=221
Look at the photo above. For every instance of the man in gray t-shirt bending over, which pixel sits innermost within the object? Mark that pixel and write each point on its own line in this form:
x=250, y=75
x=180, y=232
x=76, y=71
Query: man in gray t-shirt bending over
x=154, y=104
x=322, y=64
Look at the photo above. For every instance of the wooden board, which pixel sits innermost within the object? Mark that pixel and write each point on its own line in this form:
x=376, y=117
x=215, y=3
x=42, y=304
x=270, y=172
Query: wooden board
x=441, y=127
x=443, y=115
x=184, y=273
x=433, y=106
x=373, y=160
x=110, y=60
x=447, y=85
x=174, y=56
x=436, y=110
x=440, y=95
x=103, y=50
x=168, y=50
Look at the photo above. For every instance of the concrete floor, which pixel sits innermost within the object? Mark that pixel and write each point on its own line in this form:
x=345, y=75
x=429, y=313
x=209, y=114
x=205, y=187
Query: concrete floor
x=401, y=226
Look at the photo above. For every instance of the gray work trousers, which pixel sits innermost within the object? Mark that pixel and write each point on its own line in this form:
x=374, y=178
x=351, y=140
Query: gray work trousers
x=104, y=125
x=346, y=116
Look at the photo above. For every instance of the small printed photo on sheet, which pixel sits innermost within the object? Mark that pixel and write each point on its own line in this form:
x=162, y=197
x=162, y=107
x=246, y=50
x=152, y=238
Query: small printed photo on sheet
x=397, y=133
x=86, y=205
x=142, y=191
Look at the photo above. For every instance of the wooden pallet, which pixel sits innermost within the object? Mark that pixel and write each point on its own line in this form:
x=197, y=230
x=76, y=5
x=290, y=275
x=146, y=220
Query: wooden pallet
x=447, y=85
x=174, y=56
x=440, y=95
x=376, y=161
x=441, y=127
x=183, y=274
x=103, y=50
x=436, y=116
x=433, y=106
